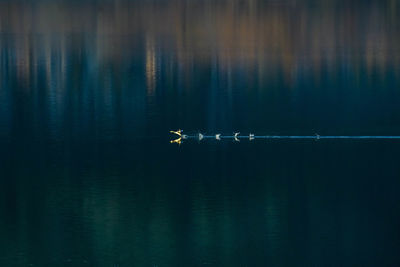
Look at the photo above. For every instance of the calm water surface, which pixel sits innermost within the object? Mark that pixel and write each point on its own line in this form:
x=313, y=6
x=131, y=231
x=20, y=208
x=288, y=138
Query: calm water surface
x=89, y=91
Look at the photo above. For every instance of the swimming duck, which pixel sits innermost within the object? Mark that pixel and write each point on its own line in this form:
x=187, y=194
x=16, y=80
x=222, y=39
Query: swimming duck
x=178, y=132
x=235, y=135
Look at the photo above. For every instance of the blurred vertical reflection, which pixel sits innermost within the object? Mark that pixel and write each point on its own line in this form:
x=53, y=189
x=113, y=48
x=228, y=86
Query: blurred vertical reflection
x=150, y=67
x=239, y=50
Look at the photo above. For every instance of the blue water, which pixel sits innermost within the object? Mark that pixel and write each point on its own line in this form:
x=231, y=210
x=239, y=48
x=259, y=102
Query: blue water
x=90, y=90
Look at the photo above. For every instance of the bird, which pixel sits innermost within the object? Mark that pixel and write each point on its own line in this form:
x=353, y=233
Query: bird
x=251, y=136
x=201, y=136
x=178, y=132
x=218, y=136
x=236, y=136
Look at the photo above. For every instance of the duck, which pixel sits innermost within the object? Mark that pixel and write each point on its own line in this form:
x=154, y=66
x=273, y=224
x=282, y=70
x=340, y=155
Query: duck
x=178, y=132
x=235, y=136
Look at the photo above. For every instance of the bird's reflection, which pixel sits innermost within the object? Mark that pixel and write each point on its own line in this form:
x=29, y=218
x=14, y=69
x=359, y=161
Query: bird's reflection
x=177, y=141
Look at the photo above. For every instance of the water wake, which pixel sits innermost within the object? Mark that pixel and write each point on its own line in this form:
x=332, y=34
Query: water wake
x=237, y=137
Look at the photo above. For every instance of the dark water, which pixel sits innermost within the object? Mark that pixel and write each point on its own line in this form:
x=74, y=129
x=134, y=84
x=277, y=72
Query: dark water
x=89, y=91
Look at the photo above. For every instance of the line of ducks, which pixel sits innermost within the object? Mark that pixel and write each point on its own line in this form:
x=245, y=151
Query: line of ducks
x=235, y=137
x=201, y=136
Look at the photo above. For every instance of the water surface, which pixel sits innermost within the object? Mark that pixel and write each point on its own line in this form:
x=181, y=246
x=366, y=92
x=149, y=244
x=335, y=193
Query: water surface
x=89, y=92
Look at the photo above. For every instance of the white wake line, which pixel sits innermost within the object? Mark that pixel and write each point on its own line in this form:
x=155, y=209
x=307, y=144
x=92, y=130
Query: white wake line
x=236, y=136
x=292, y=137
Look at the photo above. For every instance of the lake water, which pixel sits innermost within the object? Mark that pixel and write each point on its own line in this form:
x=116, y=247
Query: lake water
x=89, y=92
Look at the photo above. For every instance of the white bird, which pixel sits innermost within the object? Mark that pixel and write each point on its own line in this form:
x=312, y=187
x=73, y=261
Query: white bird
x=218, y=136
x=236, y=136
x=251, y=136
x=201, y=136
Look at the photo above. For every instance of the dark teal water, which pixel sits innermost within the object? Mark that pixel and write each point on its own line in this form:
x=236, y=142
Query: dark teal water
x=89, y=92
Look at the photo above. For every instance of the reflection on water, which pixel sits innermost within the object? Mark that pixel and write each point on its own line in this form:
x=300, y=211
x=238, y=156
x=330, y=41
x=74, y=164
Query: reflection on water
x=90, y=90
x=130, y=57
x=257, y=37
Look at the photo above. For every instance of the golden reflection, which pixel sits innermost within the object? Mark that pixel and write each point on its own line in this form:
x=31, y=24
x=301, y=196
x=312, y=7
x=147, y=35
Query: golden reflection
x=150, y=67
x=247, y=35
x=177, y=141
